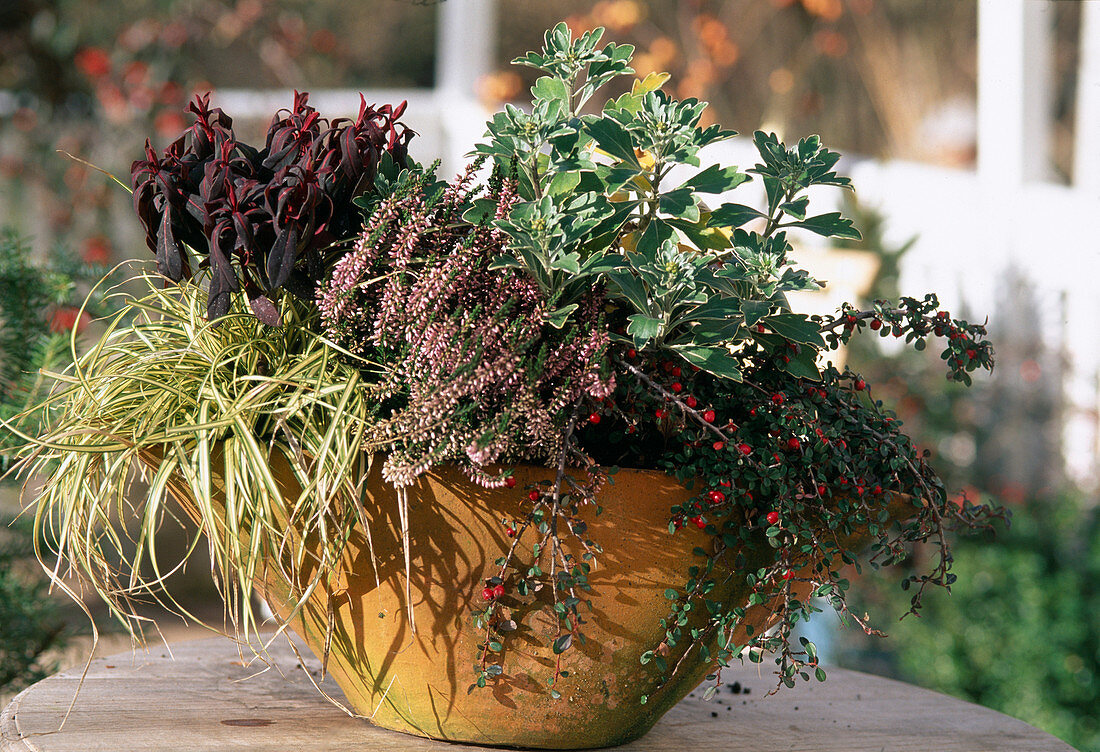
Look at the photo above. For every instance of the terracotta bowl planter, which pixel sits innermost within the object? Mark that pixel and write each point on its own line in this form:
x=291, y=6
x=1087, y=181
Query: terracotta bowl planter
x=417, y=681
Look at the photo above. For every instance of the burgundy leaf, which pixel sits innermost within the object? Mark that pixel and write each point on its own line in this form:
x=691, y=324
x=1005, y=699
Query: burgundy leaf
x=280, y=262
x=223, y=281
x=169, y=256
x=265, y=310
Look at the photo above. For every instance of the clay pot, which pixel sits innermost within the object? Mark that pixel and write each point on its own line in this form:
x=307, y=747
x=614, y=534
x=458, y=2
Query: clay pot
x=417, y=681
x=414, y=676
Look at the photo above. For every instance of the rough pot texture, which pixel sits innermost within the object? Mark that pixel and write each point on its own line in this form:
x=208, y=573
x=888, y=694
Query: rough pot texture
x=416, y=681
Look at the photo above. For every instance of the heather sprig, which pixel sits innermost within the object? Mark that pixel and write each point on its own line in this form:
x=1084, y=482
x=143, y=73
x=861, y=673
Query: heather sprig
x=466, y=354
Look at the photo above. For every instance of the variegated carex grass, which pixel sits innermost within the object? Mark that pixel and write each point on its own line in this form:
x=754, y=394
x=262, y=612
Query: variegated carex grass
x=172, y=400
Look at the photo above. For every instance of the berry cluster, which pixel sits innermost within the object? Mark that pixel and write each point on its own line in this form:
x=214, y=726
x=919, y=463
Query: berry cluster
x=776, y=460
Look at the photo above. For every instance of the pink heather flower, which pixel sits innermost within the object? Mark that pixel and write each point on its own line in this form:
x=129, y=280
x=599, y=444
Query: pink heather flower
x=467, y=365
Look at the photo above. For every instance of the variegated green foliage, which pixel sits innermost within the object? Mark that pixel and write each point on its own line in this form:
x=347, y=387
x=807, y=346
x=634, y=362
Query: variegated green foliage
x=202, y=410
x=603, y=203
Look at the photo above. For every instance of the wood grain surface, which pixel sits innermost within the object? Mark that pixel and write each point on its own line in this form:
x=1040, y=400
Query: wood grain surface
x=207, y=699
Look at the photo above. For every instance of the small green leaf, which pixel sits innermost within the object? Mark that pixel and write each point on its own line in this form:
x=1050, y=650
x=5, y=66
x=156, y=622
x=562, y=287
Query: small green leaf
x=631, y=287
x=504, y=261
x=831, y=225
x=712, y=360
x=716, y=179
x=804, y=365
x=643, y=328
x=680, y=203
x=550, y=88
x=481, y=210
x=562, y=643
x=612, y=138
x=797, y=328
x=754, y=310
x=796, y=208
x=563, y=183
x=569, y=262
x=734, y=215
x=560, y=316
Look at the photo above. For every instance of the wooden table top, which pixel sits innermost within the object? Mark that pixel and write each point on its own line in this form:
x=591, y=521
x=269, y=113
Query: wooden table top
x=207, y=700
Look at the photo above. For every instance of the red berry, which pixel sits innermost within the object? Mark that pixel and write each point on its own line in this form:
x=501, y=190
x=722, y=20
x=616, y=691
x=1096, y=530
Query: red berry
x=533, y=496
x=667, y=365
x=510, y=482
x=752, y=412
x=631, y=428
x=719, y=446
x=860, y=385
x=876, y=490
x=691, y=401
x=716, y=497
x=744, y=449
x=843, y=481
x=676, y=371
x=778, y=399
x=659, y=413
x=724, y=483
x=498, y=591
x=876, y=324
x=788, y=574
x=677, y=387
x=971, y=354
x=511, y=531
x=698, y=522
x=760, y=328
x=786, y=358
x=773, y=517
x=793, y=443
x=594, y=418
x=821, y=490
x=678, y=523
x=631, y=353
x=708, y=416
x=487, y=594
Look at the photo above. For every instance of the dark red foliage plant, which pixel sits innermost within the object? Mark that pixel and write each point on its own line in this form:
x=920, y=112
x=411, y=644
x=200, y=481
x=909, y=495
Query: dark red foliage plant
x=262, y=219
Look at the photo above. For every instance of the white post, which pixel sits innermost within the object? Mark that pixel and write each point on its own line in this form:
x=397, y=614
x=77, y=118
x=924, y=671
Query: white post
x=1086, y=158
x=465, y=52
x=1038, y=91
x=465, y=45
x=1000, y=92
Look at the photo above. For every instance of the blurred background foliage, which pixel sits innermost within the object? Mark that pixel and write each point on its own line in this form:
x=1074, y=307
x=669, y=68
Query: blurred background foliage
x=39, y=310
x=888, y=79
